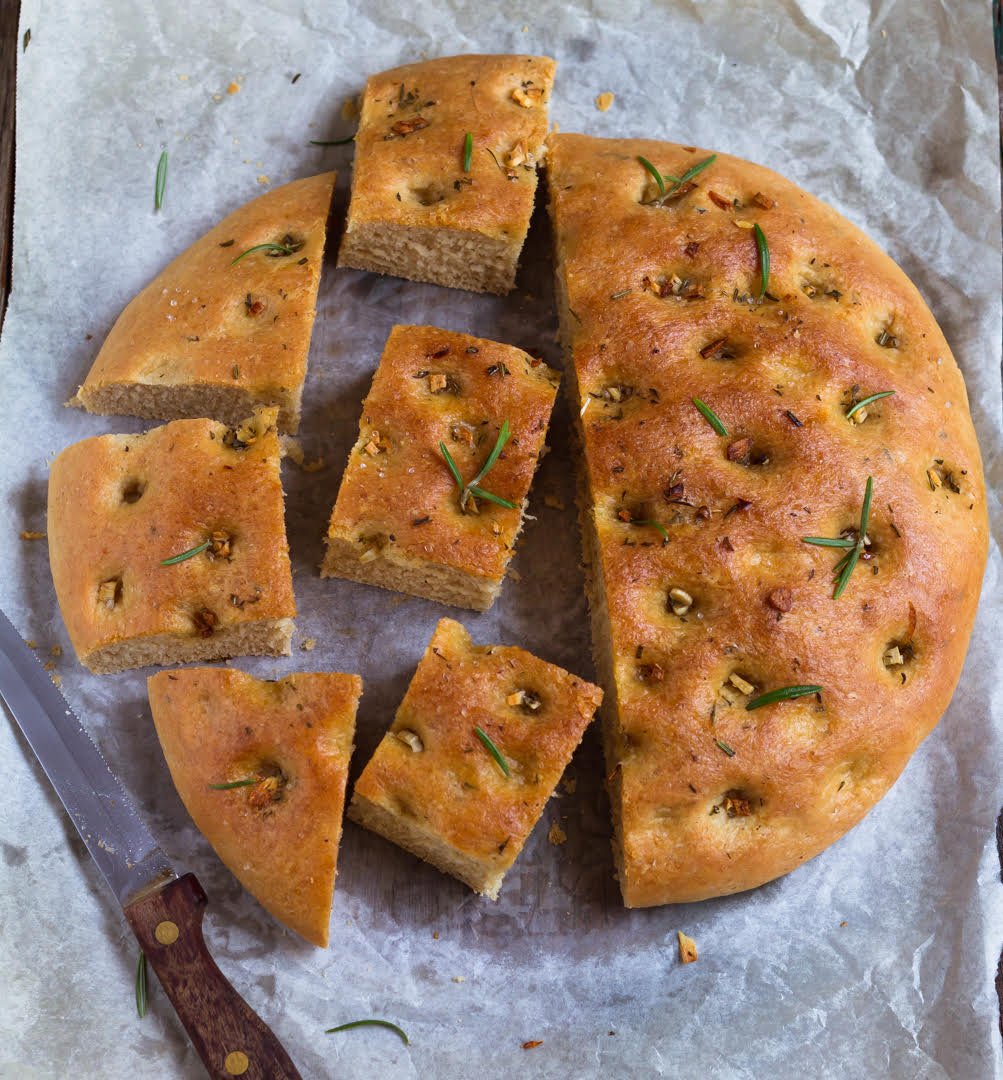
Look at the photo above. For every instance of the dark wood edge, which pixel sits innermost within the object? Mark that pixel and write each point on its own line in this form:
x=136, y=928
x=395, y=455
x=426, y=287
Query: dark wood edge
x=10, y=12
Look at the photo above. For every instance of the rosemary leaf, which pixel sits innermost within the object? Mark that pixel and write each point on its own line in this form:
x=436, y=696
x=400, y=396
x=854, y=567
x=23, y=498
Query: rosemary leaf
x=710, y=416
x=844, y=577
x=370, y=1023
x=696, y=170
x=654, y=172
x=161, y=182
x=723, y=746
x=141, y=985
x=332, y=142
x=493, y=750
x=480, y=493
x=866, y=401
x=468, y=151
x=654, y=525
x=865, y=510
x=785, y=693
x=826, y=541
x=764, y=259
x=282, y=249
x=452, y=466
x=503, y=436
x=174, y=559
x=246, y=782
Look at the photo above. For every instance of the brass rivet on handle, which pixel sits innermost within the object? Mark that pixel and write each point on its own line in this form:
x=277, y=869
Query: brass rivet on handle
x=166, y=932
x=236, y=1063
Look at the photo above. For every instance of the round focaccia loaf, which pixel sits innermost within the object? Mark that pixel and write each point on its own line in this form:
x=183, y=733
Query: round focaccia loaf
x=704, y=593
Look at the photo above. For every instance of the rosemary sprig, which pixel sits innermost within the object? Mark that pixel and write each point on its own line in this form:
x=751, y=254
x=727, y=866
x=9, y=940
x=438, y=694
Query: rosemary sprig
x=843, y=570
x=161, y=181
x=282, y=249
x=468, y=151
x=246, y=782
x=764, y=259
x=332, y=142
x=785, y=693
x=371, y=1023
x=190, y=553
x=676, y=181
x=473, y=488
x=866, y=401
x=493, y=750
x=724, y=747
x=710, y=416
x=141, y=986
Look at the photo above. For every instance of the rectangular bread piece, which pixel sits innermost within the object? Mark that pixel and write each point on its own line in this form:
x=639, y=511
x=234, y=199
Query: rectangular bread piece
x=226, y=327
x=170, y=547
x=427, y=202
x=261, y=767
x=400, y=520
x=434, y=785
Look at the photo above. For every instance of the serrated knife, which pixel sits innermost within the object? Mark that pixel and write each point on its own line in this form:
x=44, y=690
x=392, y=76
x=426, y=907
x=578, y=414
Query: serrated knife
x=165, y=911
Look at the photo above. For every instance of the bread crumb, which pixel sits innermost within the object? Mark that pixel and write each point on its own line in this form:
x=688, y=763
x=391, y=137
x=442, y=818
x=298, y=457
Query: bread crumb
x=553, y=502
x=459, y=979
x=435, y=935
x=604, y=100
x=56, y=678
x=56, y=650
x=30, y=534
x=515, y=575
x=687, y=948
x=570, y=784
x=292, y=448
x=233, y=88
x=31, y=643
x=313, y=466
x=263, y=179
x=532, y=1044
x=844, y=923
x=309, y=644
x=556, y=835
x=49, y=665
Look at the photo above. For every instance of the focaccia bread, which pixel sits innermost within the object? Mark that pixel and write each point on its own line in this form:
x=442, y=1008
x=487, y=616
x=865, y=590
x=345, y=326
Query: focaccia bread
x=705, y=594
x=474, y=753
x=226, y=327
x=261, y=768
x=401, y=520
x=171, y=546
x=431, y=205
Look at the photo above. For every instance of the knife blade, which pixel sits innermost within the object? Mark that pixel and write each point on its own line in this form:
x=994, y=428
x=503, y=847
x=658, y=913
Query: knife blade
x=164, y=910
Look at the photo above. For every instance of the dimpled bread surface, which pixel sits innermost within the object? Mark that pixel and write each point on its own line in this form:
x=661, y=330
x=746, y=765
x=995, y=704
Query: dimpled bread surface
x=703, y=593
x=292, y=738
x=416, y=210
x=211, y=336
x=119, y=505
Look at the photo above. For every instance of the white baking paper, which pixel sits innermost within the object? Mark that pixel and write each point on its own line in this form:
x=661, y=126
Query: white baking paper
x=875, y=959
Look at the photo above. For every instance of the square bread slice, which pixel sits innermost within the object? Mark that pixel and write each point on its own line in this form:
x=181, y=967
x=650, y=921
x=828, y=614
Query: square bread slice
x=261, y=768
x=171, y=546
x=445, y=170
x=226, y=327
x=475, y=751
x=401, y=520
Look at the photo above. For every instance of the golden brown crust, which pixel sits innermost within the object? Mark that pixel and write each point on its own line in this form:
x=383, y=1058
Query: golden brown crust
x=120, y=504
x=661, y=306
x=208, y=337
x=451, y=789
x=398, y=508
x=280, y=835
x=409, y=174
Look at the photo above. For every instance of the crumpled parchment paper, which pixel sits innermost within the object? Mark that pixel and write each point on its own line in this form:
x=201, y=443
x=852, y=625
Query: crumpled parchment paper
x=875, y=959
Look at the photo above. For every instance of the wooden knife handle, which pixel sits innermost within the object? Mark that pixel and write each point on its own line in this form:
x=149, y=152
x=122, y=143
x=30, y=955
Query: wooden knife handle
x=228, y=1035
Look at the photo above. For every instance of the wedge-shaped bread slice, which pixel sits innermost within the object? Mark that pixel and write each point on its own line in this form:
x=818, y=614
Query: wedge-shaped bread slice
x=261, y=767
x=445, y=170
x=402, y=520
x=226, y=327
x=171, y=546
x=475, y=751
x=705, y=594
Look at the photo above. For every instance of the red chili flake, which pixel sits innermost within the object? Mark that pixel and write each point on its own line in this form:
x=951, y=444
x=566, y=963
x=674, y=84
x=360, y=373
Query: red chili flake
x=742, y=504
x=703, y=513
x=691, y=249
x=716, y=350
x=405, y=127
x=739, y=450
x=532, y=1044
x=726, y=544
x=674, y=493
x=719, y=200
x=764, y=201
x=650, y=672
x=439, y=353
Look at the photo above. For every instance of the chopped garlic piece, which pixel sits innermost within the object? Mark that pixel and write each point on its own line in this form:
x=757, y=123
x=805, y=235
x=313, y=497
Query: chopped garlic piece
x=741, y=684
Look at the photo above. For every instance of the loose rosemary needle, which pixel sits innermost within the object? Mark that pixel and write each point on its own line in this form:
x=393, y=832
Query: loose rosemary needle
x=785, y=693
x=866, y=401
x=468, y=151
x=161, y=182
x=332, y=142
x=764, y=259
x=710, y=416
x=141, y=985
x=676, y=181
x=279, y=249
x=246, y=782
x=493, y=750
x=371, y=1023
x=174, y=559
